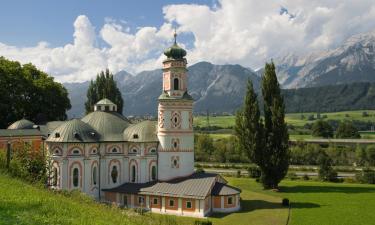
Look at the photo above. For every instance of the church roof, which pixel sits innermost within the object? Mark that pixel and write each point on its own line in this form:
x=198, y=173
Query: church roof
x=198, y=185
x=144, y=131
x=224, y=189
x=21, y=124
x=74, y=131
x=110, y=125
x=185, y=96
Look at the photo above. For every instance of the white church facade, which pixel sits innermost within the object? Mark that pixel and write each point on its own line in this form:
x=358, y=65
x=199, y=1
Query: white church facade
x=147, y=165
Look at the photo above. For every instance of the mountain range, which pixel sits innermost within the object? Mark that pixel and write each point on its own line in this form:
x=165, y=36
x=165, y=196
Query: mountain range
x=220, y=88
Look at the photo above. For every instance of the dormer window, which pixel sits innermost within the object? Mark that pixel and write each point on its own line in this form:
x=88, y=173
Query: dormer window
x=57, y=135
x=76, y=135
x=76, y=152
x=135, y=136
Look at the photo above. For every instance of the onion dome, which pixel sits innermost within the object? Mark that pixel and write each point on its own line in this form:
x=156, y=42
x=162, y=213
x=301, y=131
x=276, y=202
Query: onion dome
x=73, y=131
x=175, y=51
x=21, y=124
x=110, y=125
x=145, y=131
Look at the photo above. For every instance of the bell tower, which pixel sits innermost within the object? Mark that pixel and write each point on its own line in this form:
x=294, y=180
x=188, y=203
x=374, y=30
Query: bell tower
x=175, y=118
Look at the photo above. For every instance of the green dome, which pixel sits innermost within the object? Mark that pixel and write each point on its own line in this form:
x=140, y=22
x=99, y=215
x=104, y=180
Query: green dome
x=21, y=124
x=109, y=125
x=175, y=52
x=145, y=131
x=73, y=131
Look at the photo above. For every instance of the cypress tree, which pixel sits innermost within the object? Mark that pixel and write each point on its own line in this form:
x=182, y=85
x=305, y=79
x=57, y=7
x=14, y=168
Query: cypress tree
x=249, y=128
x=104, y=86
x=276, y=150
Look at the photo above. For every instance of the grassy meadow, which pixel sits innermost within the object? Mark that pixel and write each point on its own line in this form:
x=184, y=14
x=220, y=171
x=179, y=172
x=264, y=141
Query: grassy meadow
x=294, y=119
x=312, y=203
x=291, y=118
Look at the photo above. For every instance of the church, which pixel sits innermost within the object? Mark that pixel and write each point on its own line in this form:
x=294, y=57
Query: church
x=148, y=165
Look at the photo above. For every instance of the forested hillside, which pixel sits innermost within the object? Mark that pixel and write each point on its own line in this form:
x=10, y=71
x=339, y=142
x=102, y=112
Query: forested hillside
x=331, y=98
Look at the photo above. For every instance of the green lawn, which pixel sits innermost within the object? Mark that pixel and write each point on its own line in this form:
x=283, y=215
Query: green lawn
x=318, y=203
x=291, y=118
x=312, y=203
x=21, y=203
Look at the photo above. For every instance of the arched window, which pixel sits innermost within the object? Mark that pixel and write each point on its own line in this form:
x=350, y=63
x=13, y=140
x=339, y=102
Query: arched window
x=54, y=181
x=114, y=174
x=153, y=173
x=133, y=174
x=94, y=175
x=114, y=150
x=176, y=84
x=75, y=177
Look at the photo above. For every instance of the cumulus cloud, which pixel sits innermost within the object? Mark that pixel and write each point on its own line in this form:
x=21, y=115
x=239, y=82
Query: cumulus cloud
x=249, y=32
x=246, y=32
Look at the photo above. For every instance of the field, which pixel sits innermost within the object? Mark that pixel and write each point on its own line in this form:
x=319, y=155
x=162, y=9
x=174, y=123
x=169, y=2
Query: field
x=312, y=203
x=294, y=119
x=291, y=118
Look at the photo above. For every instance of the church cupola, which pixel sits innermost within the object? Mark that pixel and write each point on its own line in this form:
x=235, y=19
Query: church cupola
x=175, y=51
x=105, y=105
x=174, y=72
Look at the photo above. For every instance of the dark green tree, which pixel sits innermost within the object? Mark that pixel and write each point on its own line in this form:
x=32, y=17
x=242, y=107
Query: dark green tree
x=27, y=92
x=203, y=147
x=249, y=127
x=326, y=171
x=275, y=158
x=104, y=86
x=322, y=129
x=346, y=129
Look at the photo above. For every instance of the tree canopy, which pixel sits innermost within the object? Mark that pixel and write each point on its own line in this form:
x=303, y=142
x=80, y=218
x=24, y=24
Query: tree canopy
x=346, y=129
x=322, y=128
x=104, y=86
x=27, y=92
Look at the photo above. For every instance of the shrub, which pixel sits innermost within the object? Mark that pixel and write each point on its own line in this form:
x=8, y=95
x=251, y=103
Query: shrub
x=202, y=222
x=254, y=172
x=306, y=177
x=238, y=173
x=285, y=202
x=364, y=114
x=199, y=170
x=292, y=176
x=366, y=176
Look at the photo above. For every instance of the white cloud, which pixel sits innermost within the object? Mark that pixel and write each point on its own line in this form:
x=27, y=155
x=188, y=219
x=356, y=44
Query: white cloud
x=247, y=32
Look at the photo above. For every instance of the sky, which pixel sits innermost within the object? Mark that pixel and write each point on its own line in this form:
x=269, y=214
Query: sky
x=73, y=40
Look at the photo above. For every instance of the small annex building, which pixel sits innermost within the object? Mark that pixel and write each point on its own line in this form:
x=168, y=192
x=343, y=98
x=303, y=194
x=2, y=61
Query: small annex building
x=149, y=164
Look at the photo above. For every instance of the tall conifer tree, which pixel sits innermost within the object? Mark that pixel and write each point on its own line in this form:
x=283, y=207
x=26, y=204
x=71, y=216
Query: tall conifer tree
x=276, y=149
x=249, y=128
x=104, y=86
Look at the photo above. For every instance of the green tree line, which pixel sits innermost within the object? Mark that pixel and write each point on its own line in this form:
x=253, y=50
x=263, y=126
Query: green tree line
x=27, y=92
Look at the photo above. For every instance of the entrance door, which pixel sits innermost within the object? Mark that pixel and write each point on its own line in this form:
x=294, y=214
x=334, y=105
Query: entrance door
x=126, y=201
